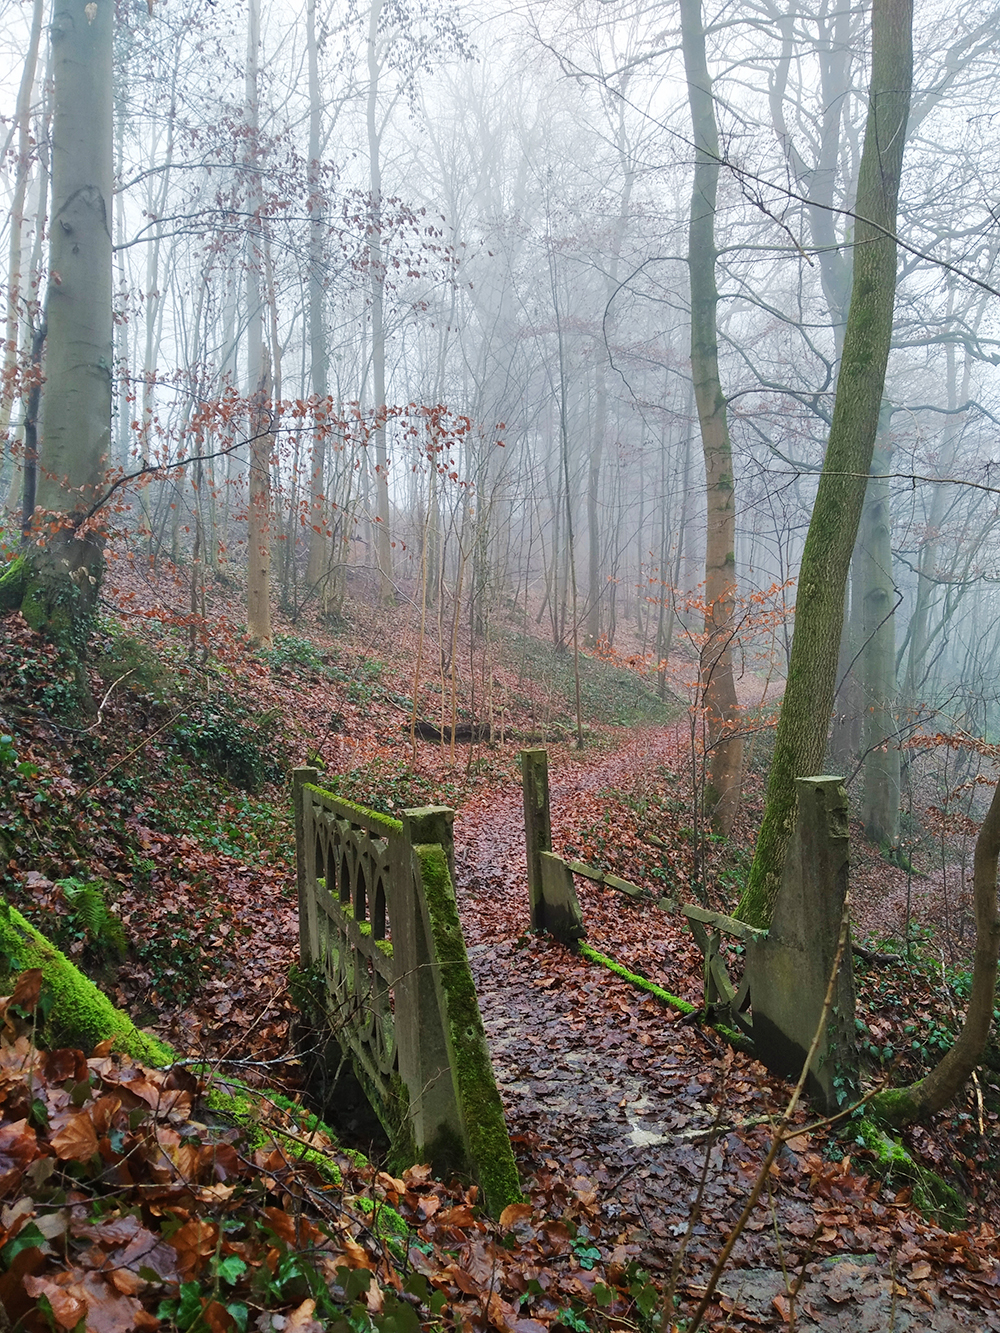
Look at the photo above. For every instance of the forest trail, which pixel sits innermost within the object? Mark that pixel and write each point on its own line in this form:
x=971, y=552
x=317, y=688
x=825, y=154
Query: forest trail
x=609, y=1090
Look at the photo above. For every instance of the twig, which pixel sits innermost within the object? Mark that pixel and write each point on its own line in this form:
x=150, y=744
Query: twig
x=873, y=955
x=699, y=1135
x=778, y=1137
x=107, y=696
x=839, y=1115
x=141, y=746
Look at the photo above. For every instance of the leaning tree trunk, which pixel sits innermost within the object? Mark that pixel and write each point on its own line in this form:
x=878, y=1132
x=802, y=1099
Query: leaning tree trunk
x=718, y=688
x=63, y=567
x=904, y=1106
x=801, y=737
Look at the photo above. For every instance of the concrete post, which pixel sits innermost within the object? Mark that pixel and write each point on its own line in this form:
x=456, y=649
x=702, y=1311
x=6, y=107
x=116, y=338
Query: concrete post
x=790, y=968
x=432, y=823
x=300, y=776
x=422, y=1040
x=563, y=917
x=537, y=827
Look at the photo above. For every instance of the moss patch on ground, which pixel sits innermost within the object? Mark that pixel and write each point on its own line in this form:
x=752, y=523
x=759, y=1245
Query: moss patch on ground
x=609, y=693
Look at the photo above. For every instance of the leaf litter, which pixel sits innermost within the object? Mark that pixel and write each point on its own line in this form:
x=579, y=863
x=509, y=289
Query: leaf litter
x=638, y=1134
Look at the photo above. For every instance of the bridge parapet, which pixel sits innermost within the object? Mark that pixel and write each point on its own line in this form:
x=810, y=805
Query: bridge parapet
x=379, y=921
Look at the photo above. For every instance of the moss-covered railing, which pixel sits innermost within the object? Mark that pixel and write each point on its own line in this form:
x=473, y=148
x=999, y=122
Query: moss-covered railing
x=378, y=920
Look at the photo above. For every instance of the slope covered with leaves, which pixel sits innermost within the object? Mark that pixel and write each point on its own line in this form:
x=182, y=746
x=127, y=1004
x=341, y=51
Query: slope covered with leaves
x=151, y=838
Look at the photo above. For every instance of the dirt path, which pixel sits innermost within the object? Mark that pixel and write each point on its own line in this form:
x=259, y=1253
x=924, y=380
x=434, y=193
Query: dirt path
x=616, y=1093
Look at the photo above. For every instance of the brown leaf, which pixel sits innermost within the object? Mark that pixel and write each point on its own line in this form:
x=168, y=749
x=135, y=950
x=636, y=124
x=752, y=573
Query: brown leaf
x=18, y=1148
x=511, y=1215
x=105, y=1310
x=193, y=1242
x=65, y=1064
x=282, y=1225
x=783, y=1308
x=103, y=1111
x=67, y=1310
x=77, y=1140
x=301, y=1319
x=218, y=1318
x=27, y=989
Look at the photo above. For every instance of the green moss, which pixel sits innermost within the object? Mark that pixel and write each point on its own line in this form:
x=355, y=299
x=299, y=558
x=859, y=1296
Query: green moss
x=383, y=946
x=80, y=1014
x=12, y=582
x=934, y=1197
x=61, y=582
x=893, y=1107
x=634, y=979
x=736, y=1039
x=385, y=1223
x=248, y=1110
x=386, y=823
x=479, y=1101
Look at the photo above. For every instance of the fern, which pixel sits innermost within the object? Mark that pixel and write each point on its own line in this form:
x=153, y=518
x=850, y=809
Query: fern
x=92, y=916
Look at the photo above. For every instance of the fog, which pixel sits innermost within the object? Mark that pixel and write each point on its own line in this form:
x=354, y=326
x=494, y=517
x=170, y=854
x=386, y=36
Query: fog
x=446, y=247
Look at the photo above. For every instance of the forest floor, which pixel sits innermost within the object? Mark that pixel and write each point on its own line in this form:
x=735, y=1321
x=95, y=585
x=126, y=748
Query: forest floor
x=644, y=1129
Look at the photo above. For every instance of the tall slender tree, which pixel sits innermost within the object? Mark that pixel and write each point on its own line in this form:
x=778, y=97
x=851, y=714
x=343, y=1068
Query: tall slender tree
x=258, y=365
x=718, y=687
x=801, y=737
x=57, y=582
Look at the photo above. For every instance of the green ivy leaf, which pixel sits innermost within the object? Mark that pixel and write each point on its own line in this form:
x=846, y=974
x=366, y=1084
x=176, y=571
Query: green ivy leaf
x=28, y=1238
x=231, y=1269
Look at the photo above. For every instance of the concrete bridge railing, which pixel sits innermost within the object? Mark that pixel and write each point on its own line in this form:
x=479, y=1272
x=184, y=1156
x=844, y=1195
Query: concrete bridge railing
x=379, y=922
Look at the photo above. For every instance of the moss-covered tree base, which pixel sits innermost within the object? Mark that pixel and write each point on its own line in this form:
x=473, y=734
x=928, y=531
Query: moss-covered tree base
x=59, y=588
x=79, y=1014
x=934, y=1197
x=12, y=582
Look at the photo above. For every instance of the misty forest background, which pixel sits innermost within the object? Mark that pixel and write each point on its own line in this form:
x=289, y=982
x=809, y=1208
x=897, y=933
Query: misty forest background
x=443, y=256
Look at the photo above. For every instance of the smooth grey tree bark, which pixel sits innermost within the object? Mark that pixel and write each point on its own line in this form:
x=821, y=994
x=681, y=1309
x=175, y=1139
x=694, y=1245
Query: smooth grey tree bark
x=258, y=371
x=880, y=744
x=62, y=569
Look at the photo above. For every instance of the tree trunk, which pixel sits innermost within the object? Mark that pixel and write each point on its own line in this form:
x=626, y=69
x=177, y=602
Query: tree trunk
x=258, y=370
x=718, y=688
x=880, y=808
x=376, y=267
x=258, y=374
x=22, y=171
x=63, y=571
x=805, y=713
x=904, y=1106
x=259, y=512
x=318, y=504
